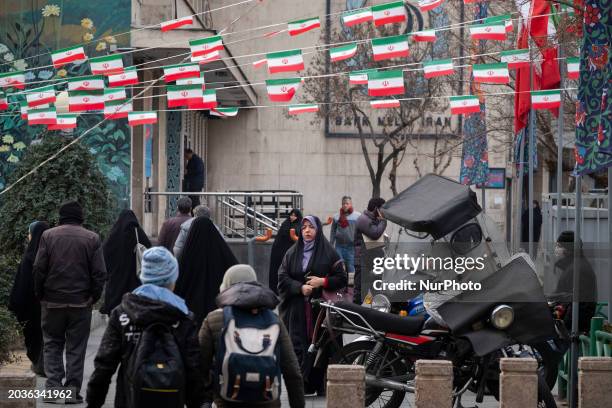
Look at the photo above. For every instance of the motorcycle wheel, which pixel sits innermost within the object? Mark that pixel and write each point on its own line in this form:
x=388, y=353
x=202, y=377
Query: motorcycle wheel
x=357, y=353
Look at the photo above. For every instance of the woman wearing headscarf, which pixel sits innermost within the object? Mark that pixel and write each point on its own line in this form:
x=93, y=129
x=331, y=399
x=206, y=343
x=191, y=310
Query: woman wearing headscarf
x=23, y=302
x=281, y=245
x=308, y=268
x=202, y=264
x=120, y=258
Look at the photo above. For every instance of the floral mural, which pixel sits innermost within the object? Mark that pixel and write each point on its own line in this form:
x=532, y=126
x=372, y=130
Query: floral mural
x=29, y=32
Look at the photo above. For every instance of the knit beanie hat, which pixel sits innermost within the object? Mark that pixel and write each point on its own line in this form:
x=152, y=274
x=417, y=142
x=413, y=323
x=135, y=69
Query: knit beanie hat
x=238, y=273
x=159, y=267
x=71, y=212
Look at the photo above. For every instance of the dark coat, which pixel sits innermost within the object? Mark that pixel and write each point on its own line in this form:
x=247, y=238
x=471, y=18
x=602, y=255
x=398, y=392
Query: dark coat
x=282, y=243
x=194, y=177
x=250, y=295
x=69, y=266
x=170, y=230
x=537, y=225
x=370, y=226
x=126, y=323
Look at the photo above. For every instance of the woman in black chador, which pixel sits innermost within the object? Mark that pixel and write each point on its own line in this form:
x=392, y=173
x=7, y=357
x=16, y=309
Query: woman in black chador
x=120, y=258
x=23, y=302
x=281, y=245
x=202, y=264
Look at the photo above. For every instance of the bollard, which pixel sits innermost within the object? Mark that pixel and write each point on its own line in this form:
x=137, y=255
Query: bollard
x=594, y=382
x=434, y=384
x=518, y=383
x=17, y=379
x=345, y=386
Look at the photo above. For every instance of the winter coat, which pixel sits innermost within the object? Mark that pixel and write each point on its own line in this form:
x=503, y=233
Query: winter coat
x=170, y=230
x=282, y=243
x=249, y=295
x=370, y=226
x=344, y=236
x=125, y=325
x=69, y=267
x=587, y=291
x=179, y=244
x=194, y=177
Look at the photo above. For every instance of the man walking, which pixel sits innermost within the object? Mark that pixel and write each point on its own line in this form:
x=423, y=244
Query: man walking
x=194, y=176
x=172, y=226
x=342, y=234
x=69, y=274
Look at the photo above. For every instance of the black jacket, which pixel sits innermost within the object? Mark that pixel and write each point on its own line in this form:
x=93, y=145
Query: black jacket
x=69, y=266
x=194, y=178
x=125, y=325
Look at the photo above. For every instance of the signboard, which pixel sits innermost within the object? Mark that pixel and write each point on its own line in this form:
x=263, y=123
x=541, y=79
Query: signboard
x=496, y=179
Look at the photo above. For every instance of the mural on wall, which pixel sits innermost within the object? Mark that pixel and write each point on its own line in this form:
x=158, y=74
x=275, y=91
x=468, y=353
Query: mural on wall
x=29, y=31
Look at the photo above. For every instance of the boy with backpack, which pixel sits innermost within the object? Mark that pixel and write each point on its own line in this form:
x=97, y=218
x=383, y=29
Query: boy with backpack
x=153, y=338
x=246, y=347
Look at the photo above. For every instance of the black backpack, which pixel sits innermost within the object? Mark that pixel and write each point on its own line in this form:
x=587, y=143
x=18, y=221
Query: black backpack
x=155, y=370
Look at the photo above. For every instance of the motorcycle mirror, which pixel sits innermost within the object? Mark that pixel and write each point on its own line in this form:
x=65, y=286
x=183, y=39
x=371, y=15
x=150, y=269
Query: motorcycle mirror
x=466, y=238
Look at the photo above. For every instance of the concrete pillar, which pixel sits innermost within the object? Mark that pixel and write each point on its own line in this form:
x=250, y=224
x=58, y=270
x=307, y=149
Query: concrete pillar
x=17, y=379
x=518, y=383
x=434, y=384
x=345, y=386
x=594, y=382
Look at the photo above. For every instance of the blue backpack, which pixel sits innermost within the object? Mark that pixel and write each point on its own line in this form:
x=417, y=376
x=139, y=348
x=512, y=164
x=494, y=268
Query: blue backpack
x=247, y=363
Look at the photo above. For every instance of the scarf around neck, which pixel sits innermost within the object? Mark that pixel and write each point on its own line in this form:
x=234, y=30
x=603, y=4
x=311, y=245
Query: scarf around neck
x=343, y=221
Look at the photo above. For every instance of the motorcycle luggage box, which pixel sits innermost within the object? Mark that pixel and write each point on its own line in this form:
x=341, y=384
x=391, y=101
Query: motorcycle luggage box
x=434, y=204
x=383, y=322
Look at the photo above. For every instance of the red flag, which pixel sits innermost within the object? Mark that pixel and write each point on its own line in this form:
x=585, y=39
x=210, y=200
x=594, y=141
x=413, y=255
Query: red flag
x=522, y=97
x=542, y=30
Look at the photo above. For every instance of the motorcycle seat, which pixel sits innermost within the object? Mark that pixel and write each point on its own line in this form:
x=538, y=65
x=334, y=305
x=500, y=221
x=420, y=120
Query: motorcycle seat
x=384, y=322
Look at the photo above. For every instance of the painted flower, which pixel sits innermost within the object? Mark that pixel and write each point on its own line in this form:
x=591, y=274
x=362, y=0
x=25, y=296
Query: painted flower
x=51, y=10
x=598, y=57
x=19, y=146
x=29, y=76
x=9, y=57
x=3, y=48
x=12, y=159
x=115, y=173
x=110, y=39
x=45, y=74
x=485, y=157
x=579, y=154
x=5, y=148
x=8, y=139
x=87, y=37
x=20, y=65
x=591, y=15
x=101, y=46
x=62, y=73
x=469, y=161
x=87, y=23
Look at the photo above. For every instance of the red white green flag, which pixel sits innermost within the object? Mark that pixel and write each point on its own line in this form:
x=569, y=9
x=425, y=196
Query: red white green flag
x=224, y=112
x=516, y=58
x=176, y=23
x=464, y=104
x=488, y=31
x=282, y=90
x=45, y=116
x=184, y=95
x=390, y=47
x=206, y=45
x=114, y=94
x=351, y=18
x=127, y=77
x=12, y=79
x=86, y=83
x=142, y=118
x=491, y=73
x=549, y=99
x=301, y=26
x=208, y=101
x=67, y=55
x=342, y=53
x=426, y=5
x=506, y=19
x=438, y=68
x=193, y=81
x=82, y=101
x=260, y=63
x=40, y=96
x=205, y=59
x=360, y=77
x=106, y=65
x=389, y=13
x=64, y=121
x=3, y=101
x=117, y=109
x=303, y=108
x=285, y=61
x=385, y=104
x=386, y=83
x=23, y=109
x=573, y=68
x=181, y=71
x=424, y=36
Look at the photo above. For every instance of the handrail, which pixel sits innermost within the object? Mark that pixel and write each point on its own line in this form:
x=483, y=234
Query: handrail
x=256, y=212
x=219, y=194
x=243, y=212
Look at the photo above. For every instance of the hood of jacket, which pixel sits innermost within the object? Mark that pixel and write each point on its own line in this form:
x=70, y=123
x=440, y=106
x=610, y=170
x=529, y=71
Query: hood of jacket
x=144, y=311
x=248, y=295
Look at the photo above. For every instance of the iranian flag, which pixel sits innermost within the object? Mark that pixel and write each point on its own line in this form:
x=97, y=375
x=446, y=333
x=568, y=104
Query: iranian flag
x=114, y=94
x=549, y=99
x=64, y=121
x=285, y=61
x=23, y=109
x=176, y=23
x=106, y=65
x=127, y=77
x=385, y=83
x=303, y=108
x=81, y=101
x=573, y=68
x=351, y=18
x=424, y=36
x=181, y=71
x=142, y=118
x=3, y=102
x=184, y=95
x=40, y=96
x=389, y=13
x=208, y=101
x=301, y=26
x=14, y=79
x=516, y=58
x=259, y=63
x=67, y=55
x=491, y=73
x=224, y=112
x=206, y=45
x=488, y=31
x=464, y=104
x=390, y=47
x=426, y=5
x=385, y=104
x=360, y=77
x=343, y=52
x=86, y=83
x=192, y=81
x=117, y=109
x=282, y=90
x=438, y=68
x=205, y=59
x=506, y=19
x=46, y=116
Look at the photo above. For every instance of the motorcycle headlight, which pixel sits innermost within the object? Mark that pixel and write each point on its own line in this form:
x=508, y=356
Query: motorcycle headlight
x=381, y=303
x=502, y=317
